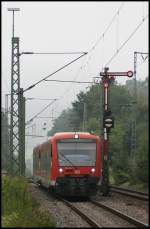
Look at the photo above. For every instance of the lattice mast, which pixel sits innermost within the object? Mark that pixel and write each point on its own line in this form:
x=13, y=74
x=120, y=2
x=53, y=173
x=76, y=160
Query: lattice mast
x=15, y=167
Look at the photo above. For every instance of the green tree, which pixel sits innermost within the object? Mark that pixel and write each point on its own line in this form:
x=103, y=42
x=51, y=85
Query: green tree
x=65, y=122
x=119, y=156
x=142, y=158
x=93, y=126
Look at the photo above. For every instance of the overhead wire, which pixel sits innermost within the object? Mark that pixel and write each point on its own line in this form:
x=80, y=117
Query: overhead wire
x=102, y=37
x=93, y=47
x=103, y=54
x=124, y=43
x=117, y=32
x=30, y=87
x=40, y=112
x=106, y=30
x=53, y=53
x=142, y=9
x=60, y=96
x=69, y=87
x=69, y=81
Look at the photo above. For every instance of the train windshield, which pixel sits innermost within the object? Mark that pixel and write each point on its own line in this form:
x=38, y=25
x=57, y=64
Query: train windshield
x=76, y=153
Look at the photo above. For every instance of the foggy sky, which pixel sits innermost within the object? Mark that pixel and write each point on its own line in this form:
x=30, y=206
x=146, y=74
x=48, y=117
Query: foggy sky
x=69, y=27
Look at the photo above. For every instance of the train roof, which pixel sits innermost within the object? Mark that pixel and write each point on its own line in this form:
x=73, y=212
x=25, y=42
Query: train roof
x=65, y=135
x=74, y=135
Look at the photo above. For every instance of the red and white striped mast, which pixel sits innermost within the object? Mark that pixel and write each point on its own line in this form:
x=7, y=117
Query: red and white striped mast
x=108, y=121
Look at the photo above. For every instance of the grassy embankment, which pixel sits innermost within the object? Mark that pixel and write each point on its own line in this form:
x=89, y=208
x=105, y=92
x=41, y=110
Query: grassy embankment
x=19, y=209
x=127, y=184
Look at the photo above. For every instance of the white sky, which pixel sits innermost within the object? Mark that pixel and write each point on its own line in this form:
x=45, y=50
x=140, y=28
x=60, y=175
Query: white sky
x=65, y=27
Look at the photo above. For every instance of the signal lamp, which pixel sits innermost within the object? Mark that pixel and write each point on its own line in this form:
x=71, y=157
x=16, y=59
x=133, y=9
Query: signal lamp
x=129, y=73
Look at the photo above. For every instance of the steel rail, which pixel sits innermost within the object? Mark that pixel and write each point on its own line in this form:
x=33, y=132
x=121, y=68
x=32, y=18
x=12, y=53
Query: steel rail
x=90, y=221
x=129, y=192
x=120, y=214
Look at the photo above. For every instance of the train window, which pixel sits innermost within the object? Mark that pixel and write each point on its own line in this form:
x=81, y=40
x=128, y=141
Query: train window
x=76, y=153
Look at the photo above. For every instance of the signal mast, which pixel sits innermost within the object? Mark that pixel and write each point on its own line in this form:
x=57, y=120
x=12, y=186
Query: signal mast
x=108, y=121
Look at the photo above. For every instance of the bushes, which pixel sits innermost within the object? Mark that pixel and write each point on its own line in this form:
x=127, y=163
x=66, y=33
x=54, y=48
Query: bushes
x=31, y=219
x=15, y=197
x=18, y=208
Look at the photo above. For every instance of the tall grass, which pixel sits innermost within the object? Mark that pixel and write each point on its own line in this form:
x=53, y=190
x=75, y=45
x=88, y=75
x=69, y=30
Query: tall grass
x=19, y=209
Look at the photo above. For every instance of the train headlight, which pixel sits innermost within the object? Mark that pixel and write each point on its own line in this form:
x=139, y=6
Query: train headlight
x=92, y=170
x=76, y=136
x=60, y=170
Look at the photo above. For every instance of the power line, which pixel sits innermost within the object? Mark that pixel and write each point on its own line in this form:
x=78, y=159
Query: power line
x=47, y=117
x=95, y=44
x=107, y=28
x=124, y=43
x=37, y=99
x=40, y=112
x=30, y=126
x=52, y=53
x=105, y=31
x=54, y=72
x=34, y=136
x=93, y=47
x=69, y=81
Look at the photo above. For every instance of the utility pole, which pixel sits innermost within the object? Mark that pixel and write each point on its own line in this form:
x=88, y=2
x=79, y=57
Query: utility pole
x=133, y=122
x=108, y=122
x=84, y=117
x=15, y=151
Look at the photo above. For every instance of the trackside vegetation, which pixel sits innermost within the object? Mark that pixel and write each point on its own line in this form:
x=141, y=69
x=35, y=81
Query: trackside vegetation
x=126, y=168
x=19, y=209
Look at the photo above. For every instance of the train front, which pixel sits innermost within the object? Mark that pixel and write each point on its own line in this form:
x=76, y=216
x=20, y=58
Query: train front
x=78, y=164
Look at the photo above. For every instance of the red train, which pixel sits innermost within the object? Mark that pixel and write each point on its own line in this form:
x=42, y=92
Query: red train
x=69, y=163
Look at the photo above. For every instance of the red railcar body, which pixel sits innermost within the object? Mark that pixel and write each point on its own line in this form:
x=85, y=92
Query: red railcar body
x=69, y=163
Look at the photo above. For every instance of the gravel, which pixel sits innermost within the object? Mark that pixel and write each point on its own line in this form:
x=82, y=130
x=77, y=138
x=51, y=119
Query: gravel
x=103, y=217
x=133, y=207
x=62, y=215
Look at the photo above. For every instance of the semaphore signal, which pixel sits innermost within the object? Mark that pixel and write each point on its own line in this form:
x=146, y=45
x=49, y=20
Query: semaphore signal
x=108, y=120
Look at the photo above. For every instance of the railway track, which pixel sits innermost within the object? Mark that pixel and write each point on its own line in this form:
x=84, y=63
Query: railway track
x=89, y=219
x=93, y=223
x=84, y=216
x=120, y=214
x=129, y=192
